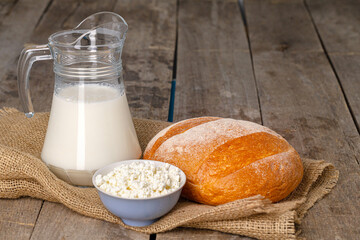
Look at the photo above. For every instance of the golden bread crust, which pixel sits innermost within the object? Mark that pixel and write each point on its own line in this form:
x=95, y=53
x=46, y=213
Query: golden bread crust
x=226, y=159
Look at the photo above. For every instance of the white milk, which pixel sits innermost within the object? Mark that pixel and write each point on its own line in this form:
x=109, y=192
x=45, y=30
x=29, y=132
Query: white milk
x=90, y=126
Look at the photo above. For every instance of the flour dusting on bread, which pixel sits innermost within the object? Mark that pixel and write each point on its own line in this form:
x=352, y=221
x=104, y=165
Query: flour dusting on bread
x=227, y=159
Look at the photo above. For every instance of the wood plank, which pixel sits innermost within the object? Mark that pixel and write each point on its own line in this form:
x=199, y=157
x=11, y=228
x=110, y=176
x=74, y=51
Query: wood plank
x=338, y=23
x=195, y=234
x=301, y=99
x=148, y=55
x=18, y=19
x=347, y=68
x=58, y=222
x=17, y=218
x=6, y=7
x=214, y=74
x=15, y=30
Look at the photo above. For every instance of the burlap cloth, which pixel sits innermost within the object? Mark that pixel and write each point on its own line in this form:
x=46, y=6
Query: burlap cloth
x=22, y=173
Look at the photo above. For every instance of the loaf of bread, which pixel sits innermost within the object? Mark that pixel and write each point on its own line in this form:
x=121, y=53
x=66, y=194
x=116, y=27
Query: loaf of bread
x=226, y=159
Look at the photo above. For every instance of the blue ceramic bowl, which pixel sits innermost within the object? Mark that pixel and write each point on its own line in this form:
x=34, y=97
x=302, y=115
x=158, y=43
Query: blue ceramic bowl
x=134, y=211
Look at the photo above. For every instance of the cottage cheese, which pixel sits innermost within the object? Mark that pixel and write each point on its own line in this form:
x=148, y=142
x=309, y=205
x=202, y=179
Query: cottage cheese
x=140, y=180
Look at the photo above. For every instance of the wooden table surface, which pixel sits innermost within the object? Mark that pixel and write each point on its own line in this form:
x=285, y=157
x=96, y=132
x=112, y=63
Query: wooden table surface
x=292, y=65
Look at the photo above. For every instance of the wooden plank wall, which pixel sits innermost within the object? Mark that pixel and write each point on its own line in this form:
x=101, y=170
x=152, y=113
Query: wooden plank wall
x=337, y=23
x=214, y=73
x=14, y=32
x=301, y=99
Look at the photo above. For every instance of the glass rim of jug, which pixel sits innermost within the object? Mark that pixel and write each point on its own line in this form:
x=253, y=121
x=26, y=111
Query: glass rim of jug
x=53, y=42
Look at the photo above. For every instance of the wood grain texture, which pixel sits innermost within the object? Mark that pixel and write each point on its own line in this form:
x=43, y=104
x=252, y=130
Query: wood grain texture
x=338, y=23
x=214, y=72
x=196, y=234
x=18, y=19
x=58, y=222
x=148, y=55
x=18, y=218
x=15, y=29
x=301, y=99
x=214, y=75
x=5, y=7
x=347, y=68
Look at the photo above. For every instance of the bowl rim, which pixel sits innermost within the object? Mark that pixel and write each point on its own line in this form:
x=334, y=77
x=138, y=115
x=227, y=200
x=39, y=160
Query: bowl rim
x=115, y=164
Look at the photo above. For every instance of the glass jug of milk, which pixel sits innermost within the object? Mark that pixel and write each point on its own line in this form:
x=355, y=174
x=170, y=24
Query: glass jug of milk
x=90, y=123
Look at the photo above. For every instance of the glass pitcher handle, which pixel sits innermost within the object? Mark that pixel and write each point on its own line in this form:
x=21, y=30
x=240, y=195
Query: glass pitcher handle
x=28, y=56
